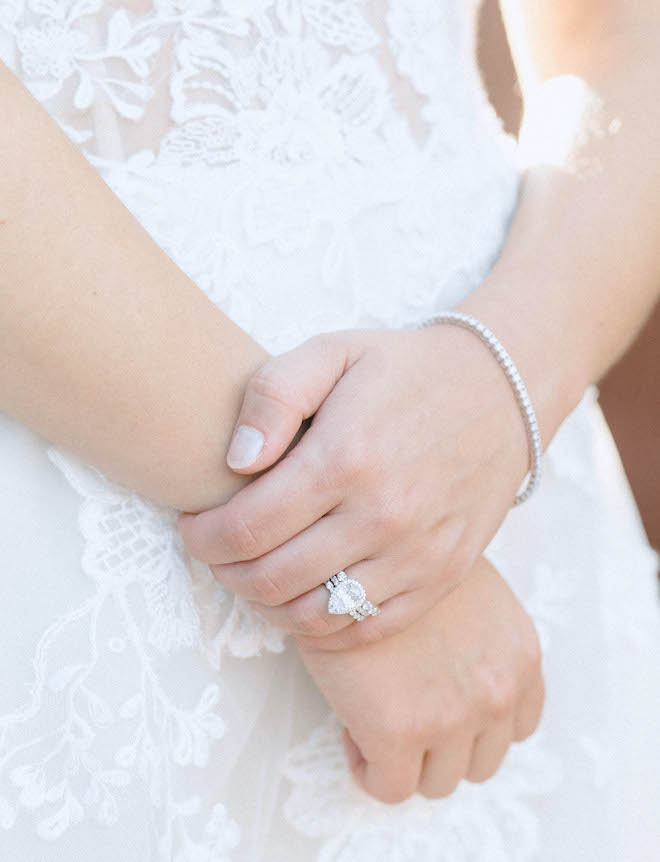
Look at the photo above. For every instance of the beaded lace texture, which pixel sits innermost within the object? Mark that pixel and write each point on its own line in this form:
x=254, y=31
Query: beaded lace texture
x=312, y=165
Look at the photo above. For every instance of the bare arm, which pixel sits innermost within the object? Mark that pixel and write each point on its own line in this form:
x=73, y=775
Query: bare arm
x=106, y=347
x=580, y=270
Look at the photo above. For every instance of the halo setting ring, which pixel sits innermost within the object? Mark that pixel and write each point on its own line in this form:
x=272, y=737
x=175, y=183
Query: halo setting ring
x=347, y=596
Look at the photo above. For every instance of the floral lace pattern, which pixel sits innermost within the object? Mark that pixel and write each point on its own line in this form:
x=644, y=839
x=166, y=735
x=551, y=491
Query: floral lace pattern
x=274, y=127
x=312, y=165
x=148, y=603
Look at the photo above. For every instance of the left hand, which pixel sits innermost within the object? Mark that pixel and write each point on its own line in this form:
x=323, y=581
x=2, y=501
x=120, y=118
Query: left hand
x=410, y=465
x=441, y=701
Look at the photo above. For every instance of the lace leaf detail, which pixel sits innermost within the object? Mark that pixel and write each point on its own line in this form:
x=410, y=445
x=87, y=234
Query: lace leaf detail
x=141, y=603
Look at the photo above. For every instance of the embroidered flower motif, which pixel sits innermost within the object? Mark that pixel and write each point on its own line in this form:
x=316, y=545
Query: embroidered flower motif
x=58, y=48
x=51, y=51
x=144, y=601
x=286, y=102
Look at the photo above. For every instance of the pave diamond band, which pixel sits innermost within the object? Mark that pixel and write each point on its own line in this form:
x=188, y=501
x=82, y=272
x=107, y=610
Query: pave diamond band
x=467, y=321
x=347, y=596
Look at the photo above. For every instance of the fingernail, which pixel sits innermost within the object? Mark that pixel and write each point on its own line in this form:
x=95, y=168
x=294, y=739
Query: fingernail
x=245, y=447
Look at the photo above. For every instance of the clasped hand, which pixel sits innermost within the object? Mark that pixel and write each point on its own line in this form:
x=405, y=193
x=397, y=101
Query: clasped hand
x=412, y=460
x=410, y=464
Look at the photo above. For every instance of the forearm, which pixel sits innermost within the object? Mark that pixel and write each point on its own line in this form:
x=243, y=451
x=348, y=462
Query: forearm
x=580, y=270
x=106, y=347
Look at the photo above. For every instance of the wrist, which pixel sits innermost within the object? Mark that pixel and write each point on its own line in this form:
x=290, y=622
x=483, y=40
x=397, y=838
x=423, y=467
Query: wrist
x=516, y=386
x=483, y=396
x=555, y=376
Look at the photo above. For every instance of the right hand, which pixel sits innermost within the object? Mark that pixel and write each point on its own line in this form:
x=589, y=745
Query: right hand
x=440, y=701
x=402, y=480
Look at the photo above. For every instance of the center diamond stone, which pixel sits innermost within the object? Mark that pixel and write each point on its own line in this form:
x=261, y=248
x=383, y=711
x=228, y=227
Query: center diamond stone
x=345, y=597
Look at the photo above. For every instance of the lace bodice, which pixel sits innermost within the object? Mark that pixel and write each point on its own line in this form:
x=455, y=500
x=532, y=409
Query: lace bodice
x=345, y=67
x=289, y=128
x=312, y=165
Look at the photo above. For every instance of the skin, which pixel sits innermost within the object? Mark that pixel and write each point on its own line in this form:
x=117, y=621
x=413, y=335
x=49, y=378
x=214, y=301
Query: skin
x=460, y=687
x=106, y=347
x=394, y=501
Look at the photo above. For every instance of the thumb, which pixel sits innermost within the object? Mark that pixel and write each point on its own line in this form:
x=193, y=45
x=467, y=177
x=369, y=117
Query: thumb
x=284, y=392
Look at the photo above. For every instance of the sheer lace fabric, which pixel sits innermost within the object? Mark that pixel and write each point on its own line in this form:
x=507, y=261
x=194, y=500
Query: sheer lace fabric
x=313, y=165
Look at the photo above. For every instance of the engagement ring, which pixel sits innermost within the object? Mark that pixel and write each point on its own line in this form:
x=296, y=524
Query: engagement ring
x=347, y=596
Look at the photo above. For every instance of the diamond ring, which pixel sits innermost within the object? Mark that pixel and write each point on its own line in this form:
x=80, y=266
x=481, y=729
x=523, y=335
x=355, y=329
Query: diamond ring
x=347, y=596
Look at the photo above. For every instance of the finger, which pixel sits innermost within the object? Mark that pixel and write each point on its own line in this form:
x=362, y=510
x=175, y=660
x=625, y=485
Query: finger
x=333, y=543
x=275, y=507
x=307, y=615
x=314, y=627
x=489, y=749
x=285, y=391
x=311, y=614
x=445, y=764
x=391, y=777
x=530, y=710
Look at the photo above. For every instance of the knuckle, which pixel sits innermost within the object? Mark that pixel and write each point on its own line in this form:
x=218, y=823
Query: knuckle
x=451, y=720
x=456, y=566
x=317, y=466
x=310, y=622
x=487, y=770
x=370, y=631
x=373, y=633
x=499, y=694
x=347, y=463
x=270, y=384
x=531, y=712
x=455, y=555
x=266, y=589
x=397, y=727
x=240, y=540
x=531, y=649
x=392, y=516
x=526, y=731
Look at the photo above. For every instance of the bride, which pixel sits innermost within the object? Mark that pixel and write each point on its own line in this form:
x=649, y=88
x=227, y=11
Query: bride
x=266, y=594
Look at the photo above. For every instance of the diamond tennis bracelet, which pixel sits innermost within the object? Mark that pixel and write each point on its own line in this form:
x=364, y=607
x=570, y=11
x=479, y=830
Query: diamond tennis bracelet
x=466, y=321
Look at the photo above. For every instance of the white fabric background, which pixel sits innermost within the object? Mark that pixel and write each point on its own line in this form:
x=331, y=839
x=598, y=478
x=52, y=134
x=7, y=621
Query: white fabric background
x=313, y=165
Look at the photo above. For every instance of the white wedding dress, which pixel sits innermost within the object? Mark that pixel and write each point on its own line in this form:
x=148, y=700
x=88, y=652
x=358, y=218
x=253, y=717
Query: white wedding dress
x=312, y=165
